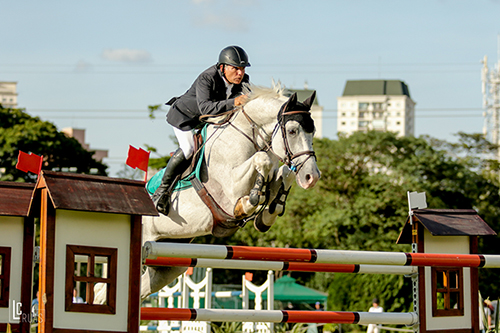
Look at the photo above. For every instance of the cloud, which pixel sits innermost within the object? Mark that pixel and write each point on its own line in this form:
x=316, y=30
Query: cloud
x=222, y=22
x=126, y=55
x=220, y=14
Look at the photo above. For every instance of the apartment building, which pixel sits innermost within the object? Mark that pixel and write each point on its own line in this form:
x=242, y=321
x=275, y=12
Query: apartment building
x=8, y=94
x=381, y=105
x=79, y=135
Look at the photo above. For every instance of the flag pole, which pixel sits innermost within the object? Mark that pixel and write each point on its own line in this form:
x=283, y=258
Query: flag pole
x=40, y=167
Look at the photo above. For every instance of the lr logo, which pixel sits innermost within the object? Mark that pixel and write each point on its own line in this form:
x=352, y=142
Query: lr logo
x=16, y=314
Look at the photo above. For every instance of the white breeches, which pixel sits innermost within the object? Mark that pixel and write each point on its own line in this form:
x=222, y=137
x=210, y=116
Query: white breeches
x=186, y=141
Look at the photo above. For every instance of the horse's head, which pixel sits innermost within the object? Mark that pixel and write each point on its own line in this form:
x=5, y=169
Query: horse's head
x=293, y=140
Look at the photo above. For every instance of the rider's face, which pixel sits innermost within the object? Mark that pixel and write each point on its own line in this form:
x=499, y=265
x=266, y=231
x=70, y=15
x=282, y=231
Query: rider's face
x=234, y=74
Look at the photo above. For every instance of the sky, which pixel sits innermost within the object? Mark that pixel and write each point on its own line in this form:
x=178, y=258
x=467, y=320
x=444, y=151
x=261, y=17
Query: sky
x=98, y=65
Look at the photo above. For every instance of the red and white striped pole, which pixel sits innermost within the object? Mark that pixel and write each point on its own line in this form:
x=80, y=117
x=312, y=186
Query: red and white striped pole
x=281, y=266
x=152, y=250
x=279, y=316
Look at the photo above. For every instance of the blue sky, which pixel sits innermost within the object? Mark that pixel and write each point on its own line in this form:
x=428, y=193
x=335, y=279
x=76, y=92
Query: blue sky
x=98, y=64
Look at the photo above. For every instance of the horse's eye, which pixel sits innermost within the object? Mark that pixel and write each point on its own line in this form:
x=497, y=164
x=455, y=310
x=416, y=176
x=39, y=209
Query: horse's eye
x=292, y=131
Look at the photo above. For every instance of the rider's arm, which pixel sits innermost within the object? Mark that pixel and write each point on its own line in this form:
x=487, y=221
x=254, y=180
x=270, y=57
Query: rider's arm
x=205, y=97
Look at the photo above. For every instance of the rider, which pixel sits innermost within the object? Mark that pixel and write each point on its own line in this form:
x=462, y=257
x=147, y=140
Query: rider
x=218, y=89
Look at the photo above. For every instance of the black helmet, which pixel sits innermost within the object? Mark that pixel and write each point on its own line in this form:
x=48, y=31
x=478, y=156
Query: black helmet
x=234, y=56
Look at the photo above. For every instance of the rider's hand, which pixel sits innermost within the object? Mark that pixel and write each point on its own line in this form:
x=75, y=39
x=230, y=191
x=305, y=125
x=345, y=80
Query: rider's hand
x=240, y=100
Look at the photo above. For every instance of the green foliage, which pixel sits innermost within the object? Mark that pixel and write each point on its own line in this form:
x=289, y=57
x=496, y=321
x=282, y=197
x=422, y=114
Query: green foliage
x=152, y=109
x=226, y=327
x=20, y=131
x=360, y=203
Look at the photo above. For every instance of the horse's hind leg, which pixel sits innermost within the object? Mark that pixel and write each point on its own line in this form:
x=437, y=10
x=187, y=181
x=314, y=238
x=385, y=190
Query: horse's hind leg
x=155, y=278
x=152, y=280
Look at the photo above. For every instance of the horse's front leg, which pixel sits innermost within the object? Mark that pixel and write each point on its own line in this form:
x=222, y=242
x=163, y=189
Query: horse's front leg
x=279, y=190
x=261, y=163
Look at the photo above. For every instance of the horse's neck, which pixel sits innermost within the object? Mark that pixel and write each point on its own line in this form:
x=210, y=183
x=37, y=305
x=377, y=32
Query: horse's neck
x=261, y=117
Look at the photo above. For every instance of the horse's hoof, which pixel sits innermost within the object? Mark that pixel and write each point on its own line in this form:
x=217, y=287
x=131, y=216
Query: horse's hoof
x=259, y=225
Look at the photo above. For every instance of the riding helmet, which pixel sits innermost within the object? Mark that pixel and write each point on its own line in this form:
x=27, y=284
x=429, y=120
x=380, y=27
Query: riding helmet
x=234, y=56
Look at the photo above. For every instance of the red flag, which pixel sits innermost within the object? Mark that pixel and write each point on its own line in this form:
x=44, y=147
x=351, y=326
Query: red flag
x=138, y=158
x=29, y=162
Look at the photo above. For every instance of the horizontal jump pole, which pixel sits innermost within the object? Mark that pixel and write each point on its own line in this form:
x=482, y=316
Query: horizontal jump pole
x=281, y=266
x=280, y=316
x=152, y=250
x=216, y=294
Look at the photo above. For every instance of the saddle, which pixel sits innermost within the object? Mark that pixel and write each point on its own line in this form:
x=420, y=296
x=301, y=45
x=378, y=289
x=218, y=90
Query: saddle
x=224, y=224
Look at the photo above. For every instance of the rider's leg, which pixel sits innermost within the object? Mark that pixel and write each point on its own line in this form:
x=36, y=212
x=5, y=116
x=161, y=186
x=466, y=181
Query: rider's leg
x=176, y=165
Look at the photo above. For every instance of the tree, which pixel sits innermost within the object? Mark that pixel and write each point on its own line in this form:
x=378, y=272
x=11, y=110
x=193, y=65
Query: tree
x=20, y=131
x=360, y=203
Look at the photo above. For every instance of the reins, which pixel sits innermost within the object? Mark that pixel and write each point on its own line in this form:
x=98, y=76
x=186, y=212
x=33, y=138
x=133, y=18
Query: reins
x=288, y=160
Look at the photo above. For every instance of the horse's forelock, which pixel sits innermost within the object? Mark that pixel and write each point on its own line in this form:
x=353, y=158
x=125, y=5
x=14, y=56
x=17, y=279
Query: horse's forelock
x=304, y=119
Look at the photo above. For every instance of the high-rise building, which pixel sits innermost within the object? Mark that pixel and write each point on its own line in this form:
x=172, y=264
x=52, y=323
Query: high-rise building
x=381, y=105
x=79, y=135
x=8, y=94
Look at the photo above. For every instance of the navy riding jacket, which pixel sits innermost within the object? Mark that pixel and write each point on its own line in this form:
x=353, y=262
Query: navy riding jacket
x=207, y=96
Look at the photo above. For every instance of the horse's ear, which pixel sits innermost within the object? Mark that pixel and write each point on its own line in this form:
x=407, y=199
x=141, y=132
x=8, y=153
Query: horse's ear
x=292, y=101
x=308, y=102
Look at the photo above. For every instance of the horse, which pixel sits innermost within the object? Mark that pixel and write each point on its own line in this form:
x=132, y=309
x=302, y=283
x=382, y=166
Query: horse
x=250, y=159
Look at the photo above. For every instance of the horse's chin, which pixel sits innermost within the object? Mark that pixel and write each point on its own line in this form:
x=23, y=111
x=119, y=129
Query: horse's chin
x=308, y=183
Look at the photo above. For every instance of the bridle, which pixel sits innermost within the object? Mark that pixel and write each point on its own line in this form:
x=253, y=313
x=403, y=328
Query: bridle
x=289, y=158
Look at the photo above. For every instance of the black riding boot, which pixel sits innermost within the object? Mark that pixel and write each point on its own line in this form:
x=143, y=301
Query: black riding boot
x=175, y=166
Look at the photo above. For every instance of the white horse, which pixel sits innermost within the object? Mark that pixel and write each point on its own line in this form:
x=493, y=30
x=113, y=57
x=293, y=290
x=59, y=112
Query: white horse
x=242, y=173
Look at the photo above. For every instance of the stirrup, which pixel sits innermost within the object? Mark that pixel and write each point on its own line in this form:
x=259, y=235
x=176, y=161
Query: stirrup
x=163, y=203
x=161, y=199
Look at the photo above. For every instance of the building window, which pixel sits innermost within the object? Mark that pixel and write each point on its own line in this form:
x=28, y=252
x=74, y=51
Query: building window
x=342, y=123
x=447, y=292
x=378, y=106
x=363, y=106
x=343, y=114
x=362, y=114
x=4, y=276
x=98, y=265
x=363, y=124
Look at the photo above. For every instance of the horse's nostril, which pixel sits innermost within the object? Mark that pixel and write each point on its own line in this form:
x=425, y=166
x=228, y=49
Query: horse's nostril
x=308, y=178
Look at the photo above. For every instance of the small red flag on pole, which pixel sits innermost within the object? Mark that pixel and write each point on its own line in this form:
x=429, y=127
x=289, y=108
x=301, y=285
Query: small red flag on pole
x=29, y=162
x=138, y=158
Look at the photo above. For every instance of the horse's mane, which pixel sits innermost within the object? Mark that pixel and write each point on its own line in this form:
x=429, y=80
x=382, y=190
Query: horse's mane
x=276, y=91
